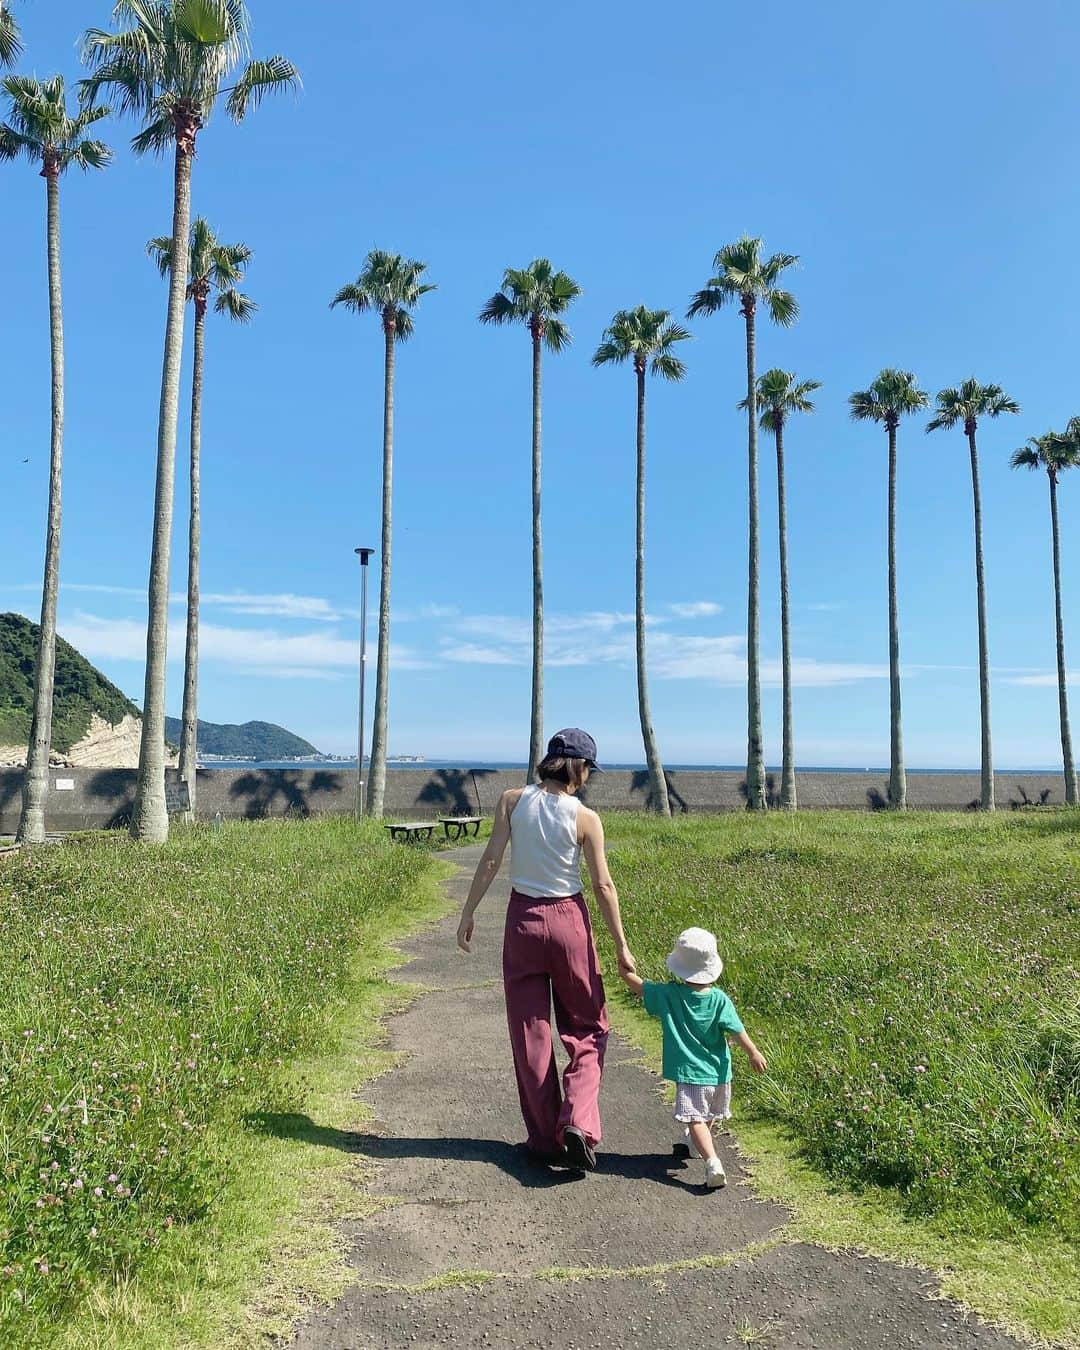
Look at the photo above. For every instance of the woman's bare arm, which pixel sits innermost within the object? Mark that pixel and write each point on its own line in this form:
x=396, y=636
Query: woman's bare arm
x=488, y=866
x=592, y=844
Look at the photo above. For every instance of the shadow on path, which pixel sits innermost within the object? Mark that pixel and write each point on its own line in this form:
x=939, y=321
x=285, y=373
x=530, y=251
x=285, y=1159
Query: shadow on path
x=509, y=1158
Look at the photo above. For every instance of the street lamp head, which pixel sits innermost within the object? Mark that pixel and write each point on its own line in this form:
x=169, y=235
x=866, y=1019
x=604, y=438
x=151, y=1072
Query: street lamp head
x=365, y=554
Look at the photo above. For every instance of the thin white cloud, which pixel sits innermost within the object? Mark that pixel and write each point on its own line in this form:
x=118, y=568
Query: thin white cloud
x=474, y=653
x=284, y=606
x=244, y=650
x=695, y=609
x=824, y=606
x=1043, y=680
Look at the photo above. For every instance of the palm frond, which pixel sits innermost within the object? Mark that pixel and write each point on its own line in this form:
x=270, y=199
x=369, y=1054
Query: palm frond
x=500, y=308
x=272, y=76
x=156, y=137
x=711, y=298
x=667, y=366
x=963, y=405
x=354, y=298
x=404, y=327
x=556, y=335
x=91, y=155
x=236, y=306
x=160, y=250
x=610, y=353
x=10, y=39
x=783, y=307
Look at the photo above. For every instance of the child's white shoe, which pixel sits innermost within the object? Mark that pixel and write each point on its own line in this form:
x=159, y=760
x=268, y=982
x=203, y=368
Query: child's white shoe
x=715, y=1176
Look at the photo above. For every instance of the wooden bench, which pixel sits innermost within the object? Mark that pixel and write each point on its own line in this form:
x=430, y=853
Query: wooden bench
x=412, y=832
x=456, y=827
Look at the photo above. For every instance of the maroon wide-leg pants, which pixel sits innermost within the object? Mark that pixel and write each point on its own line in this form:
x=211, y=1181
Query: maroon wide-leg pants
x=549, y=956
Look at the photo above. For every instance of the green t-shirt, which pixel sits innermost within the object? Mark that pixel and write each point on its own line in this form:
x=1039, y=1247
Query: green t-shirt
x=696, y=1026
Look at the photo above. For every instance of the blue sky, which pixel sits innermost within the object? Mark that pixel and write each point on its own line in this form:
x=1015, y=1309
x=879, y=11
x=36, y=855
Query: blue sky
x=924, y=171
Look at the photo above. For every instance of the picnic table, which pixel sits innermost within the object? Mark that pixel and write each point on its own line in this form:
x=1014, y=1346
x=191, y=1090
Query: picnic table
x=455, y=827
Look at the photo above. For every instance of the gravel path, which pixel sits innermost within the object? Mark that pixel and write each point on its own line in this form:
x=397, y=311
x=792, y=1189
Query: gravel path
x=479, y=1249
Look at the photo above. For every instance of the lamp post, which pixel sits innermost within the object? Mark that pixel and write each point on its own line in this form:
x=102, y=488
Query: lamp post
x=364, y=555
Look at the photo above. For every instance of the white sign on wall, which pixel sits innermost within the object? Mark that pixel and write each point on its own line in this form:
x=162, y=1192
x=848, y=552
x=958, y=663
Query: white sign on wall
x=65, y=785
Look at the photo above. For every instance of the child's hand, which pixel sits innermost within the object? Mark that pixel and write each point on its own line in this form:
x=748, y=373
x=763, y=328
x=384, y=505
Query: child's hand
x=758, y=1062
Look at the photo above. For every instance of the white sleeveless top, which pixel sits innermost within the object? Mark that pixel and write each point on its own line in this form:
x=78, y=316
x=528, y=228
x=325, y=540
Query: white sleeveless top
x=545, y=856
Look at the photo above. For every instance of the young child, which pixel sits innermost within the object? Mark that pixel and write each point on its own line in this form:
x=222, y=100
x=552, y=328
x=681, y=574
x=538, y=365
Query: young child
x=697, y=1018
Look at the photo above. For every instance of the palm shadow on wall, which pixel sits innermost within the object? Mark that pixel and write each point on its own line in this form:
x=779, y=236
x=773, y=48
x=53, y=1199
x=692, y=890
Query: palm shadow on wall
x=282, y=792
x=117, y=787
x=772, y=792
x=454, y=791
x=640, y=783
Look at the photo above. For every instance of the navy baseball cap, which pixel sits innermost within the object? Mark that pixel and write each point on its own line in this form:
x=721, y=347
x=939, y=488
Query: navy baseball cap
x=573, y=743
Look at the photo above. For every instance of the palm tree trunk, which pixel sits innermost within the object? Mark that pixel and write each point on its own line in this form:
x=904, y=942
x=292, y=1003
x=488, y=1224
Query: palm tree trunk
x=755, y=761
x=658, y=793
x=150, y=818
x=377, y=762
x=536, y=717
x=788, y=797
x=1063, y=699
x=31, y=828
x=190, y=716
x=897, y=777
x=986, y=799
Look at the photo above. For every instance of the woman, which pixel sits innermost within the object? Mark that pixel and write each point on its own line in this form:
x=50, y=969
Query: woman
x=548, y=949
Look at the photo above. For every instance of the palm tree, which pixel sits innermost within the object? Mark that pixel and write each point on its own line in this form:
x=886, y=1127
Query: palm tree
x=894, y=394
x=212, y=266
x=964, y=406
x=780, y=395
x=10, y=38
x=390, y=286
x=646, y=338
x=40, y=129
x=168, y=64
x=742, y=274
x=535, y=296
x=1055, y=454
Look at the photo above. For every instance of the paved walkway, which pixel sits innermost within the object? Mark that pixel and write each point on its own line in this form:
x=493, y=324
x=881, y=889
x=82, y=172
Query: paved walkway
x=444, y=1141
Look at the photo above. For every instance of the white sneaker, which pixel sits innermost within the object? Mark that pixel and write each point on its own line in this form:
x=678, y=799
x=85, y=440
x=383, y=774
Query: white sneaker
x=715, y=1176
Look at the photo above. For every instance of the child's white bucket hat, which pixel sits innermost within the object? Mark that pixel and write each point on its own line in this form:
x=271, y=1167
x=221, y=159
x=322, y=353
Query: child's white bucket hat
x=694, y=957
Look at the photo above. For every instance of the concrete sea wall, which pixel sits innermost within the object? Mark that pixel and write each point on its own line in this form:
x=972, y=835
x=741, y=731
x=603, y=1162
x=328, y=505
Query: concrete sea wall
x=88, y=798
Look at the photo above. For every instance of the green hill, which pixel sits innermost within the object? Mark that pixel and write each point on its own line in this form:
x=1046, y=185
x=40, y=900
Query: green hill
x=251, y=740
x=80, y=689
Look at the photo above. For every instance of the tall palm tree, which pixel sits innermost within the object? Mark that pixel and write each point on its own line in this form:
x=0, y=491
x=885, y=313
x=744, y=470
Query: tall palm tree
x=742, y=274
x=168, y=63
x=1055, y=454
x=779, y=395
x=10, y=37
x=894, y=394
x=964, y=406
x=646, y=338
x=390, y=286
x=40, y=129
x=212, y=266
x=535, y=296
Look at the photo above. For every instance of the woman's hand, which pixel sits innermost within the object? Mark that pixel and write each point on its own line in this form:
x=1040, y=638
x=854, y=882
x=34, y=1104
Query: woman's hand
x=465, y=932
x=627, y=964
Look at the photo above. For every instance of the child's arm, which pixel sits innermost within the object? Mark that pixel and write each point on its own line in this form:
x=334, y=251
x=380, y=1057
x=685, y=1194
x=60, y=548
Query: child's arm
x=757, y=1060
x=633, y=981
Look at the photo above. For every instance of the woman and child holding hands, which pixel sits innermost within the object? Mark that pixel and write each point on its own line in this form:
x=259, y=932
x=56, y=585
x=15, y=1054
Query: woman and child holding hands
x=549, y=958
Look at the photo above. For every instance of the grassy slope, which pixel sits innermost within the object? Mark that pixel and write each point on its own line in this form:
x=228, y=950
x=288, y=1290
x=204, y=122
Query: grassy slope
x=214, y=1005
x=913, y=981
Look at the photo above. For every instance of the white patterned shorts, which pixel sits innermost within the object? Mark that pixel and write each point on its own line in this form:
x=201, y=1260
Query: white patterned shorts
x=702, y=1101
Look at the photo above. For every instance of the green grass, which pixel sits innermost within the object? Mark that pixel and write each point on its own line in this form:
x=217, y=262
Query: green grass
x=914, y=982
x=180, y=1037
